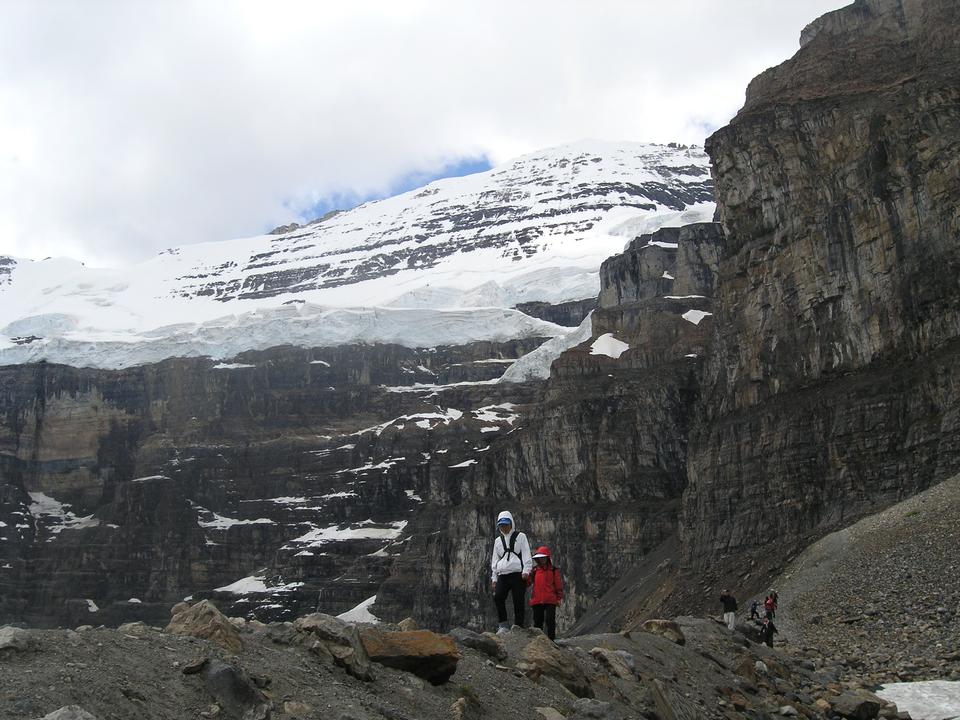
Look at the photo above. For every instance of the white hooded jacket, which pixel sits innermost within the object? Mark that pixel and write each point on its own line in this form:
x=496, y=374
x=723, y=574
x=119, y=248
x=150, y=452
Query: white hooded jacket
x=503, y=562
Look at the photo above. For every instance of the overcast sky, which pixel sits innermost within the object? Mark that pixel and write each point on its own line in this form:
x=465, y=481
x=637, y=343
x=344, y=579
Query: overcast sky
x=127, y=127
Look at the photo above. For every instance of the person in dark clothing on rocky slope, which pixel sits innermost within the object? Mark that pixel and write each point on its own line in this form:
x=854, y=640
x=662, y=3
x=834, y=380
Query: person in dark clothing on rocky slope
x=729, y=609
x=767, y=631
x=547, y=591
x=510, y=567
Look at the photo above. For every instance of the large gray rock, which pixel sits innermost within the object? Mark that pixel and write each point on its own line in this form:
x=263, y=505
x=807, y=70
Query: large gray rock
x=589, y=709
x=233, y=689
x=484, y=642
x=13, y=638
x=860, y=705
x=340, y=640
x=542, y=657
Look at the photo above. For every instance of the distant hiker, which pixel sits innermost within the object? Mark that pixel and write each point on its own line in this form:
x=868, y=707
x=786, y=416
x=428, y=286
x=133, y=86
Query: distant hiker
x=755, y=610
x=770, y=607
x=547, y=591
x=729, y=609
x=510, y=567
x=767, y=632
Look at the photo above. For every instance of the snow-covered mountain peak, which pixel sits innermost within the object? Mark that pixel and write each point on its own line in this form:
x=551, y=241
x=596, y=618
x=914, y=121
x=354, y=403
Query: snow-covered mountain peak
x=535, y=228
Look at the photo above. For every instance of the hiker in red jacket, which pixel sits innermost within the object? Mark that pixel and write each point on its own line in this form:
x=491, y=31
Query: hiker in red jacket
x=547, y=591
x=770, y=607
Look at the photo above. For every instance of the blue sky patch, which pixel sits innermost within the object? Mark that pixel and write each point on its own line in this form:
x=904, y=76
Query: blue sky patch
x=410, y=181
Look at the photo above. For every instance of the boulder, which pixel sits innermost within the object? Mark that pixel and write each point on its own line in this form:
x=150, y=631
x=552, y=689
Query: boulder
x=615, y=662
x=857, y=705
x=751, y=630
x=204, y=620
x=542, y=657
x=665, y=628
x=424, y=653
x=587, y=709
x=326, y=627
x=338, y=639
x=13, y=638
x=70, y=712
x=408, y=624
x=485, y=642
x=231, y=688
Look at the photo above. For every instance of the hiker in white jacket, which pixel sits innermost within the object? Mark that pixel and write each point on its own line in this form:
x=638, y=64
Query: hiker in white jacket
x=510, y=567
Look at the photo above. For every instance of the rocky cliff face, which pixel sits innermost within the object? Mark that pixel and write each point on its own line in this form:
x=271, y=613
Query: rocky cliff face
x=597, y=468
x=833, y=383
x=285, y=478
x=569, y=314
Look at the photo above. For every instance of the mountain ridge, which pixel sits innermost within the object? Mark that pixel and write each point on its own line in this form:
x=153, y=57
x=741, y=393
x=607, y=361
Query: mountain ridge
x=532, y=230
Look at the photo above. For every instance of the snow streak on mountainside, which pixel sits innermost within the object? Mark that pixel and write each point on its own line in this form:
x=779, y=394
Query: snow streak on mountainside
x=534, y=229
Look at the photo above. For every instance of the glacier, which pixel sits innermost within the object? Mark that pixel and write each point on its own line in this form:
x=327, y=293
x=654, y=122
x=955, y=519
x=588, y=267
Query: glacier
x=443, y=264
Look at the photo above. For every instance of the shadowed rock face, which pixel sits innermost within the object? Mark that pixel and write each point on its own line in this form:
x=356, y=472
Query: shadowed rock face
x=833, y=383
x=568, y=314
x=294, y=469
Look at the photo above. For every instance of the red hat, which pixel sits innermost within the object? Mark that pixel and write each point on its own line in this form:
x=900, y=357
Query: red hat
x=542, y=551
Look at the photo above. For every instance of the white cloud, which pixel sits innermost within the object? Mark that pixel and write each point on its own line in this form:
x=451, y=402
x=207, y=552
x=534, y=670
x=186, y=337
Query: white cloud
x=128, y=127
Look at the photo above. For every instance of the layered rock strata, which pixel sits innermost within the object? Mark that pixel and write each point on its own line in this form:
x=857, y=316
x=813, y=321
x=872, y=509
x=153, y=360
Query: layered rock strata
x=833, y=385
x=597, y=468
x=275, y=483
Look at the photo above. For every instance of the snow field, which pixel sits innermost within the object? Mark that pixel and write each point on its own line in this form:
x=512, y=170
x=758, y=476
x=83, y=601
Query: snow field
x=568, y=209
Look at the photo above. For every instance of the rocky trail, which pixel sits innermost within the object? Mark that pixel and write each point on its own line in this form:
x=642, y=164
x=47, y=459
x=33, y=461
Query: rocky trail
x=205, y=665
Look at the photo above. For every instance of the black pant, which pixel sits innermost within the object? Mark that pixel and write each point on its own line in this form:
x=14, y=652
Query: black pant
x=548, y=614
x=510, y=583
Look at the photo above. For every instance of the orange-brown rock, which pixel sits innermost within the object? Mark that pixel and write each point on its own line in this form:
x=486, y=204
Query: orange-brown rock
x=204, y=620
x=427, y=654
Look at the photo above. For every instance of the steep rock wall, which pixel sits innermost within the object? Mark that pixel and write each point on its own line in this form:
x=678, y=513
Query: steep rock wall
x=597, y=468
x=833, y=385
x=292, y=470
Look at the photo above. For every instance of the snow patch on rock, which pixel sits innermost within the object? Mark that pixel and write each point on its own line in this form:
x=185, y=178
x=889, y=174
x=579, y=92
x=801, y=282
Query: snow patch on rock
x=608, y=345
x=536, y=365
x=361, y=613
x=695, y=316
x=925, y=700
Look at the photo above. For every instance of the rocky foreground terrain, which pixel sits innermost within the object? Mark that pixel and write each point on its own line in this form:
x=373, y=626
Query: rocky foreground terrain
x=204, y=665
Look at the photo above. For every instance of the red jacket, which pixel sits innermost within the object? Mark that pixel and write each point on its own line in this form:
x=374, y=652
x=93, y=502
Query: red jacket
x=547, y=583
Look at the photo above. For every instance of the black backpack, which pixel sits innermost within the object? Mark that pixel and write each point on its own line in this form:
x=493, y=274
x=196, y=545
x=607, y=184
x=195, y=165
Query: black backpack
x=508, y=550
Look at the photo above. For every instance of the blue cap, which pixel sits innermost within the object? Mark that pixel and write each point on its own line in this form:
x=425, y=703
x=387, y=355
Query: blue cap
x=504, y=521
